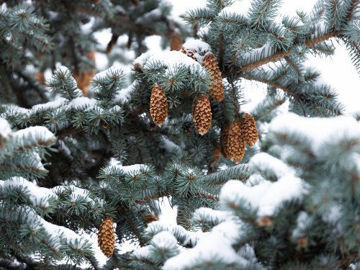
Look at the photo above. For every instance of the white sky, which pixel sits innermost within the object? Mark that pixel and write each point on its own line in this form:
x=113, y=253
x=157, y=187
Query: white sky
x=336, y=71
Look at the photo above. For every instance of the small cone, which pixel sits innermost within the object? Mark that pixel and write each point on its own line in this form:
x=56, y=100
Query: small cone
x=106, y=237
x=249, y=130
x=216, y=87
x=158, y=105
x=175, y=41
x=224, y=141
x=202, y=114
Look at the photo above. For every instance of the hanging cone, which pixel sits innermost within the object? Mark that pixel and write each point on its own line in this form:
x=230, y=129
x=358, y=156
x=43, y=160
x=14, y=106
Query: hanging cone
x=236, y=143
x=175, y=41
x=106, y=237
x=224, y=141
x=249, y=130
x=158, y=105
x=202, y=114
x=216, y=86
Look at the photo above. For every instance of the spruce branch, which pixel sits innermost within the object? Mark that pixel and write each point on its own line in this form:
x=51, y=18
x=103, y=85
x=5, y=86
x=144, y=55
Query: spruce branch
x=279, y=55
x=351, y=10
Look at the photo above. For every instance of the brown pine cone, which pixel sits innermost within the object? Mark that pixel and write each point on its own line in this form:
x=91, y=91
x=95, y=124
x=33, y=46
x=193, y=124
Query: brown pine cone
x=106, y=237
x=236, y=144
x=202, y=114
x=216, y=86
x=158, y=105
x=224, y=141
x=175, y=41
x=249, y=130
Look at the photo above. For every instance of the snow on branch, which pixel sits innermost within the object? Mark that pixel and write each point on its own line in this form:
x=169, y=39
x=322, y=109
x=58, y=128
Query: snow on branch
x=269, y=166
x=266, y=197
x=318, y=131
x=171, y=59
x=37, y=136
x=205, y=251
x=5, y=130
x=39, y=196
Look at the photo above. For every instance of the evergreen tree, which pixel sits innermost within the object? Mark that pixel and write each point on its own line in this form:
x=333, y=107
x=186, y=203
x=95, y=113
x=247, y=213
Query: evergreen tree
x=84, y=154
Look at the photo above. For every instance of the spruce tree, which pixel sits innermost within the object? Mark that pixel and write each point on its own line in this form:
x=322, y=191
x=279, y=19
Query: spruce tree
x=90, y=153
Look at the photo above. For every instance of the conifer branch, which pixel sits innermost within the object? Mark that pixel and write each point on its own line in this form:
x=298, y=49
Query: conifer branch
x=131, y=224
x=272, y=83
x=351, y=10
x=165, y=194
x=279, y=55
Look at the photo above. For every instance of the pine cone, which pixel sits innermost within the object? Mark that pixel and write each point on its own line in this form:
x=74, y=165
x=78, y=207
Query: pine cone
x=216, y=87
x=202, y=114
x=175, y=41
x=235, y=141
x=224, y=141
x=158, y=105
x=106, y=237
x=248, y=127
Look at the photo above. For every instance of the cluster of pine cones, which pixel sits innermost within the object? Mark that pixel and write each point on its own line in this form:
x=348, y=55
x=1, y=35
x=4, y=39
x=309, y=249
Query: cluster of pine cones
x=202, y=114
x=234, y=136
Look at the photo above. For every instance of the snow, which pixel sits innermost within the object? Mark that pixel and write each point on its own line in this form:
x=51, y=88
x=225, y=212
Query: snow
x=143, y=252
x=208, y=214
x=130, y=169
x=171, y=59
x=164, y=240
x=197, y=45
x=58, y=102
x=303, y=221
x=81, y=103
x=266, y=196
x=5, y=129
x=238, y=7
x=265, y=162
x=205, y=250
x=317, y=130
x=38, y=195
x=123, y=95
x=37, y=133
x=183, y=236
